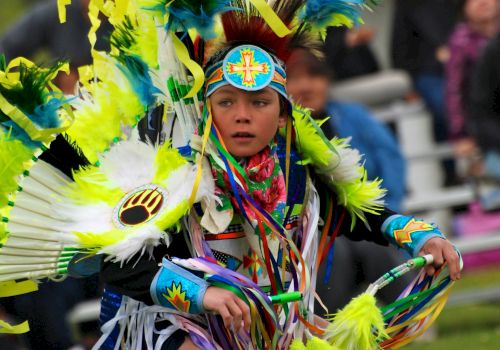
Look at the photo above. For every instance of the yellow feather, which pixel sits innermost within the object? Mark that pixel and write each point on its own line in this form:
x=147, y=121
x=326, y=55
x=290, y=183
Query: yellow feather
x=146, y=37
x=309, y=143
x=97, y=242
x=297, y=345
x=101, y=119
x=313, y=343
x=339, y=168
x=316, y=343
x=167, y=160
x=91, y=186
x=358, y=326
x=15, y=157
x=360, y=197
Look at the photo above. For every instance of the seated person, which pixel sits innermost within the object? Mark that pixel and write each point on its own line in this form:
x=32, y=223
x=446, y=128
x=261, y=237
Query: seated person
x=348, y=53
x=479, y=25
x=484, y=123
x=309, y=80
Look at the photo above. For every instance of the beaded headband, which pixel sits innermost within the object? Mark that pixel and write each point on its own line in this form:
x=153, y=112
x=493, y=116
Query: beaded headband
x=249, y=68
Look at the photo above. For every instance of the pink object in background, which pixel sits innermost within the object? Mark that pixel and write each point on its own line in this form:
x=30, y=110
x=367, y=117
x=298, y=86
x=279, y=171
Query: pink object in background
x=477, y=223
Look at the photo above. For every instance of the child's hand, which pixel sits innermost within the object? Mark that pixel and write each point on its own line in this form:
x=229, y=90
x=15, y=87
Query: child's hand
x=232, y=309
x=442, y=250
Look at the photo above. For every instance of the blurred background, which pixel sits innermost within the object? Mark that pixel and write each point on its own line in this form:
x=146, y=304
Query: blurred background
x=427, y=71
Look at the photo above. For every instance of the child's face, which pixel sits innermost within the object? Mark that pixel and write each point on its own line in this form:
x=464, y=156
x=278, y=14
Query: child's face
x=480, y=10
x=246, y=120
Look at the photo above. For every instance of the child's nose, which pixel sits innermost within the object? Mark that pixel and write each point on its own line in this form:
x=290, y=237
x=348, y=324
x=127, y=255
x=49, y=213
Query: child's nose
x=243, y=114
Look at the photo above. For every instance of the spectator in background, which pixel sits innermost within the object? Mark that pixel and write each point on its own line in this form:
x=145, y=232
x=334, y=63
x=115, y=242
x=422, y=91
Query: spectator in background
x=480, y=23
x=419, y=46
x=308, y=84
x=40, y=31
x=348, y=53
x=485, y=107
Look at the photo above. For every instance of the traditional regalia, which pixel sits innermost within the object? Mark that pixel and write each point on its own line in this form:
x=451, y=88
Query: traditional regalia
x=163, y=220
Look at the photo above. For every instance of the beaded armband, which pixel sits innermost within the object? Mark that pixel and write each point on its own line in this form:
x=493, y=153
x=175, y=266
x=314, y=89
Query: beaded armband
x=177, y=288
x=409, y=233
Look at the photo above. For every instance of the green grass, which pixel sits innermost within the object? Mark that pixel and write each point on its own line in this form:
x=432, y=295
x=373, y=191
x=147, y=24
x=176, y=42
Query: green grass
x=487, y=339
x=475, y=327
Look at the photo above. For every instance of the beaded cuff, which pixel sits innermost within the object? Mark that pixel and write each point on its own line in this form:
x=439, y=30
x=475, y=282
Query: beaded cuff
x=177, y=288
x=409, y=233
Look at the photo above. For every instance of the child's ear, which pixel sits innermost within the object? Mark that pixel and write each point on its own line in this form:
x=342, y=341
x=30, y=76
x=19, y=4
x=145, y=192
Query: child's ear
x=282, y=120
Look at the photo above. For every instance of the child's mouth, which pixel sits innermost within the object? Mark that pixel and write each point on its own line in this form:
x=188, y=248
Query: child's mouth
x=243, y=135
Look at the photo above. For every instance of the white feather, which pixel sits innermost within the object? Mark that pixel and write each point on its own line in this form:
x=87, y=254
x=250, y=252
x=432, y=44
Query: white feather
x=29, y=232
x=4, y=269
x=344, y=168
x=207, y=186
x=129, y=164
x=37, y=189
x=85, y=218
x=349, y=167
x=28, y=218
x=31, y=244
x=180, y=184
x=31, y=253
x=28, y=202
x=32, y=275
x=9, y=260
x=143, y=239
x=49, y=176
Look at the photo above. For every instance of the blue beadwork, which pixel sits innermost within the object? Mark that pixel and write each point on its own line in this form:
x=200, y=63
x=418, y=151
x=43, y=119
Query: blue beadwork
x=248, y=67
x=179, y=289
x=414, y=233
x=110, y=303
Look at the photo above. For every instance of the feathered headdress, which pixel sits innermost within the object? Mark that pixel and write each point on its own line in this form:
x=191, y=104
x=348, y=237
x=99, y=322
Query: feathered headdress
x=276, y=26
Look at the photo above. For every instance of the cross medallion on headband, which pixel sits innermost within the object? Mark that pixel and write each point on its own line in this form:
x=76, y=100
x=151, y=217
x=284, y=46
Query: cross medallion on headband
x=248, y=67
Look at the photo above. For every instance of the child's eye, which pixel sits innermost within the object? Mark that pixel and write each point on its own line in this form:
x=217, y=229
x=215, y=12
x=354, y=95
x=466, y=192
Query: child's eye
x=260, y=103
x=225, y=103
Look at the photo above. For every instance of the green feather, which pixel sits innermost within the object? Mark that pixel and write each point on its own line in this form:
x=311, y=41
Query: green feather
x=123, y=37
x=3, y=63
x=31, y=91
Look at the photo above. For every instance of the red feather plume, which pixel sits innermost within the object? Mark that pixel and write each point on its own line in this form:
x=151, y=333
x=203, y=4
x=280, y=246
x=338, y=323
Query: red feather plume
x=241, y=26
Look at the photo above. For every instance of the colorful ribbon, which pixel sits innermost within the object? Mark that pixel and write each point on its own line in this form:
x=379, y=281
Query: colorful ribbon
x=271, y=18
x=199, y=170
x=417, y=308
x=6, y=328
x=193, y=67
x=61, y=9
x=13, y=288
